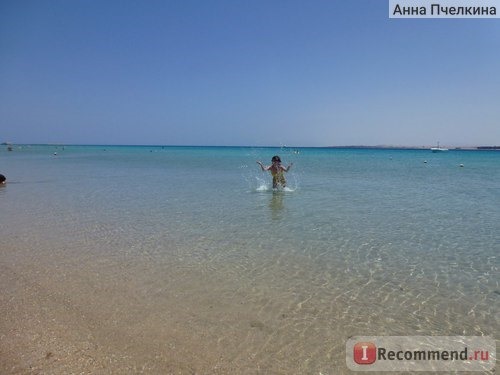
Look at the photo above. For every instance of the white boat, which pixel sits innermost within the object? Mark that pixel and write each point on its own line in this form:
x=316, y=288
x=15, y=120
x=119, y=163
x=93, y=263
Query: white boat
x=438, y=149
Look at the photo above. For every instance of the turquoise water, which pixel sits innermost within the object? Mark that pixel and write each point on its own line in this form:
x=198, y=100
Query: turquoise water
x=365, y=242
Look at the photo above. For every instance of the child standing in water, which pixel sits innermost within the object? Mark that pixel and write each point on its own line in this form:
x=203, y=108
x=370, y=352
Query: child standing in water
x=277, y=171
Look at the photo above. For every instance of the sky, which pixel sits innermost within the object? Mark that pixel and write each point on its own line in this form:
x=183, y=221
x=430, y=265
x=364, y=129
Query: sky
x=244, y=72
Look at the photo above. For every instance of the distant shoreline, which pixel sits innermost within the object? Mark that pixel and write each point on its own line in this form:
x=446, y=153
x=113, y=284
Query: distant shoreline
x=468, y=148
x=359, y=147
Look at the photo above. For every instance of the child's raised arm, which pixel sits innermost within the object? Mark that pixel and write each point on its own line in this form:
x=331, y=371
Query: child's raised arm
x=287, y=168
x=264, y=168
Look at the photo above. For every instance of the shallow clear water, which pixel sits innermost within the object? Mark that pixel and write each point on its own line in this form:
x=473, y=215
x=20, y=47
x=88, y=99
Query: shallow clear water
x=366, y=242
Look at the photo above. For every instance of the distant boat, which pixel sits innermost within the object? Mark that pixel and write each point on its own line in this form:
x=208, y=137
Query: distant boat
x=438, y=149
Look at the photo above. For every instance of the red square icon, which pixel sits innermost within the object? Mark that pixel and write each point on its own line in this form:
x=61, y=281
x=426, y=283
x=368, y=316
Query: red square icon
x=365, y=353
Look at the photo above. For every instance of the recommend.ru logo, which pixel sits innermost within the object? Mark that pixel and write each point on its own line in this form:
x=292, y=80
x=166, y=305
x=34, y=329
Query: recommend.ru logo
x=421, y=353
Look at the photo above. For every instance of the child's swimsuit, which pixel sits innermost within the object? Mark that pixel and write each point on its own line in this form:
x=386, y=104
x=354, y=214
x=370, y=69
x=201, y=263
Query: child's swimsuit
x=279, y=179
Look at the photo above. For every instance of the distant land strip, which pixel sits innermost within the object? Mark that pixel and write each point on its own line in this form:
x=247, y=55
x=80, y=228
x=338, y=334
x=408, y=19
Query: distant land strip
x=377, y=147
x=384, y=147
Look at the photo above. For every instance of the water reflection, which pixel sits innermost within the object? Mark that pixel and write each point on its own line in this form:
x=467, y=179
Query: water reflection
x=276, y=205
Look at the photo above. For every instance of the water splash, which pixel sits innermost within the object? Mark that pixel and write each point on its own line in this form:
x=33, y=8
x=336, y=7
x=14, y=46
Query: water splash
x=259, y=181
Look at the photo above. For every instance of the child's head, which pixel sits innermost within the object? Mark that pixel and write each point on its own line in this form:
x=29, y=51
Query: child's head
x=276, y=159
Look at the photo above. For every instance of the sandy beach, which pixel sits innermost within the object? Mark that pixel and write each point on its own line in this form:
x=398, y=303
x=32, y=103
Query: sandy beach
x=61, y=318
x=58, y=322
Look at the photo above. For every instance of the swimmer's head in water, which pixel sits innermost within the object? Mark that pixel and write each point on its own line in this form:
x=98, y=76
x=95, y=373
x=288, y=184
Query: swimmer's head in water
x=276, y=159
x=2, y=179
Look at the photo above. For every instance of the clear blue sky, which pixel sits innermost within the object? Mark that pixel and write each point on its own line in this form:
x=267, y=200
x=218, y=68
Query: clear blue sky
x=240, y=72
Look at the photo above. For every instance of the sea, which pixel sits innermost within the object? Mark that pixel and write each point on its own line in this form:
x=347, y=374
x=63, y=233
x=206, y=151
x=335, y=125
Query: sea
x=188, y=260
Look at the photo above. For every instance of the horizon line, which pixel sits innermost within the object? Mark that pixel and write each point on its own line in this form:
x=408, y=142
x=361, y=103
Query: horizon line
x=361, y=146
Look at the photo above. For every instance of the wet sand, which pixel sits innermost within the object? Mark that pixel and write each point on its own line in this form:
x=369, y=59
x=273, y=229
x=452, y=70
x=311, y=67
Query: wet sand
x=74, y=323
x=95, y=311
x=102, y=316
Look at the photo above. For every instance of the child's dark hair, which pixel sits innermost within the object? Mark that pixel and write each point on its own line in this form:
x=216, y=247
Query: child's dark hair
x=276, y=158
